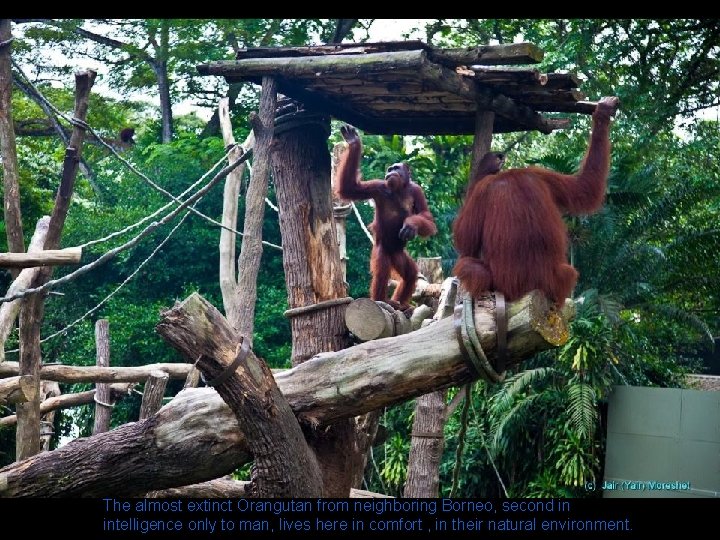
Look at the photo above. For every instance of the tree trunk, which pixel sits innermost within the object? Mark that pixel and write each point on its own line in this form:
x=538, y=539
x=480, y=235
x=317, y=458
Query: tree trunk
x=427, y=437
x=482, y=140
x=251, y=250
x=103, y=408
x=284, y=466
x=27, y=441
x=11, y=184
x=196, y=437
x=9, y=310
x=232, y=301
x=313, y=273
x=161, y=74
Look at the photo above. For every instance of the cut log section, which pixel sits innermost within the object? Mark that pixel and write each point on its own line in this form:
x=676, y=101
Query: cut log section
x=17, y=390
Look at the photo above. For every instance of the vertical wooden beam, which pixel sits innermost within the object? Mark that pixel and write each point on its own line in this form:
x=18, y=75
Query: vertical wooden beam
x=313, y=273
x=483, y=138
x=153, y=393
x=103, y=407
x=48, y=390
x=193, y=378
x=8, y=151
x=427, y=440
x=341, y=210
x=27, y=439
x=251, y=250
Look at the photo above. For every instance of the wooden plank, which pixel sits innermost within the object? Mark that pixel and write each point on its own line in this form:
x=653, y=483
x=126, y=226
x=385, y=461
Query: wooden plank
x=447, y=79
x=493, y=55
x=335, y=49
x=315, y=66
x=582, y=107
x=563, y=80
x=532, y=95
x=508, y=75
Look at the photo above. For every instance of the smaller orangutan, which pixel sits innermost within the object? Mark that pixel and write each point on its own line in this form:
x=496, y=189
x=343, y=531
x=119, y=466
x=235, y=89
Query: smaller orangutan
x=401, y=214
x=509, y=233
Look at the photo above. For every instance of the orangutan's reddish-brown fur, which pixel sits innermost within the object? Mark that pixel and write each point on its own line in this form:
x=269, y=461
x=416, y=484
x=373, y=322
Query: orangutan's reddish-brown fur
x=510, y=235
x=401, y=213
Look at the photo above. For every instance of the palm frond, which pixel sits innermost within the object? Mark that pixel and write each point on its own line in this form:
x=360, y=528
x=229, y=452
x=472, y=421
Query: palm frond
x=582, y=408
x=511, y=389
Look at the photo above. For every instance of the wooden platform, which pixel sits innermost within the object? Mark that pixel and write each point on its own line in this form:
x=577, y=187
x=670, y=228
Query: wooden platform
x=411, y=88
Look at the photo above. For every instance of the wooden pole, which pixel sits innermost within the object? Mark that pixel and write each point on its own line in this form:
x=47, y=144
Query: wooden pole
x=11, y=177
x=483, y=139
x=313, y=272
x=27, y=439
x=103, y=406
x=153, y=394
x=75, y=374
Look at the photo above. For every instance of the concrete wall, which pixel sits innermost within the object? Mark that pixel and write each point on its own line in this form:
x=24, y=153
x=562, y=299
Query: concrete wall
x=662, y=442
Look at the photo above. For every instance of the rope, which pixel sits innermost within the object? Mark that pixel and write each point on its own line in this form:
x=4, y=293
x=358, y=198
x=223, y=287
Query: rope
x=96, y=400
x=362, y=225
x=242, y=351
x=294, y=312
x=469, y=342
x=461, y=440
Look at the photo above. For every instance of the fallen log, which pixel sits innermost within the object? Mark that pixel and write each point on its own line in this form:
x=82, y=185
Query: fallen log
x=197, y=438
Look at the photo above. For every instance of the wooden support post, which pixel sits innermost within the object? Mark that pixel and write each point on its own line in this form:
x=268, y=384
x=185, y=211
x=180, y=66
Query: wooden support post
x=483, y=138
x=427, y=437
x=193, y=378
x=313, y=273
x=27, y=439
x=48, y=390
x=153, y=394
x=103, y=406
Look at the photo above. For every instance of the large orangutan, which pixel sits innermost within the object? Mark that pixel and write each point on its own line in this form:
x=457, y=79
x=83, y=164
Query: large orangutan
x=510, y=234
x=401, y=213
